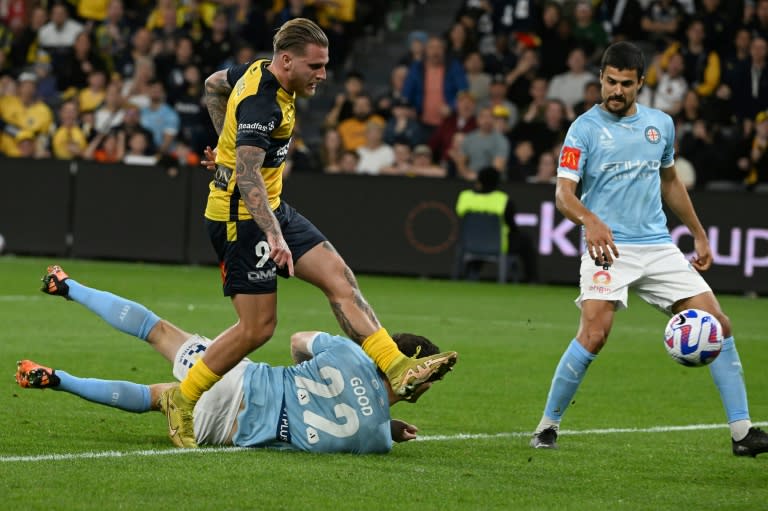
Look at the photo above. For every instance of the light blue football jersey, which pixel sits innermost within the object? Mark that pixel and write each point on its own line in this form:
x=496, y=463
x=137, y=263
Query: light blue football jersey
x=335, y=402
x=618, y=161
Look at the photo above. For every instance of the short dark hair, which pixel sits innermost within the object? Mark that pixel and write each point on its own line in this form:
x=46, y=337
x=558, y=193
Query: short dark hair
x=624, y=55
x=488, y=178
x=412, y=345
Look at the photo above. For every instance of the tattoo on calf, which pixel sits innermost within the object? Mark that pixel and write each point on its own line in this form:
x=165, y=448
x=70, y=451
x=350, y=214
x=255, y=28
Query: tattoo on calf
x=345, y=324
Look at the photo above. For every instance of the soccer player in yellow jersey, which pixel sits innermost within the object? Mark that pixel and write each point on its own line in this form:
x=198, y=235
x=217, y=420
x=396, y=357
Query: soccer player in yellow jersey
x=257, y=236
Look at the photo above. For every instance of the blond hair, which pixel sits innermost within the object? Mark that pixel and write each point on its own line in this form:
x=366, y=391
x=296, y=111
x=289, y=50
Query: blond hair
x=296, y=34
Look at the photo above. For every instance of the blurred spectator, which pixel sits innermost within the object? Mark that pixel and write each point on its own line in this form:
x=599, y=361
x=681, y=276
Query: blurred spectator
x=300, y=159
x=73, y=69
x=196, y=128
x=47, y=85
x=500, y=59
x=589, y=32
x=501, y=117
x=374, y=153
x=709, y=152
x=27, y=145
x=138, y=150
x=522, y=164
x=24, y=48
x=164, y=19
x=668, y=93
x=483, y=147
x=568, y=87
x=58, y=35
x=394, y=92
x=701, y=66
x=737, y=56
x=348, y=163
x=139, y=49
x=749, y=82
x=107, y=147
x=92, y=97
x=507, y=16
x=459, y=42
x=431, y=86
x=24, y=112
x=343, y=105
x=422, y=163
x=479, y=81
x=353, y=130
x=402, y=126
x=537, y=104
x=622, y=17
x=759, y=23
x=662, y=22
x=520, y=79
x=338, y=20
x=172, y=69
x=68, y=141
x=758, y=156
x=718, y=25
x=330, y=151
x=402, y=162
x=688, y=114
x=462, y=121
x=545, y=134
x=196, y=19
x=590, y=98
x=546, y=169
x=92, y=11
x=249, y=23
x=13, y=12
x=417, y=41
x=497, y=97
x=110, y=114
x=160, y=119
x=556, y=40
x=183, y=156
x=216, y=49
x=132, y=124
x=294, y=9
x=136, y=88
x=112, y=36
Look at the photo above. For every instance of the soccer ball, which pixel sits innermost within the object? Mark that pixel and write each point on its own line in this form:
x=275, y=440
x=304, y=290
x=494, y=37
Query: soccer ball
x=693, y=337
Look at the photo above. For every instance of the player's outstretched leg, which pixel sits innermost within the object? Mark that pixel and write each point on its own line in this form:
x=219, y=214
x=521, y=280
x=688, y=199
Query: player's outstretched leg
x=125, y=395
x=178, y=410
x=125, y=315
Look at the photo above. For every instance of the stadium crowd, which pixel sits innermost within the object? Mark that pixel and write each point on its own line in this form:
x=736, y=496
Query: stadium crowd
x=122, y=81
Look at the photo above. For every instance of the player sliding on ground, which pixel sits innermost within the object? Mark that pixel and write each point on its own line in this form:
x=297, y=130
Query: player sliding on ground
x=333, y=400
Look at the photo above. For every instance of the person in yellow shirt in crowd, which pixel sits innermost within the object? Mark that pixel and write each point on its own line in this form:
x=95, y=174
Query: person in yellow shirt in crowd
x=352, y=130
x=69, y=141
x=92, y=97
x=23, y=112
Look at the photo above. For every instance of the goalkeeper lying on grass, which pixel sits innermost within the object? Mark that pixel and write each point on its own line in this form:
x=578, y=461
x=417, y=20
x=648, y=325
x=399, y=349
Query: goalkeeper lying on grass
x=333, y=400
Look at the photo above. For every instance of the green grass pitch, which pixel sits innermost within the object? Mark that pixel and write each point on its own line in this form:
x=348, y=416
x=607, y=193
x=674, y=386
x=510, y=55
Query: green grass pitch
x=643, y=432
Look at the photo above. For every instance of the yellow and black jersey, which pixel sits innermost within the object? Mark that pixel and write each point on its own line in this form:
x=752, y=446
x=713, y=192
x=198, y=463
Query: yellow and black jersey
x=259, y=113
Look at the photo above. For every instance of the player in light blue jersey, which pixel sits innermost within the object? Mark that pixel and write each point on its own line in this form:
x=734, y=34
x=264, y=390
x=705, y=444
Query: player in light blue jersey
x=333, y=400
x=622, y=155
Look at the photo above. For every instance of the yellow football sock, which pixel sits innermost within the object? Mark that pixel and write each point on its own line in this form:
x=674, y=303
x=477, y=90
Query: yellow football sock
x=199, y=379
x=382, y=349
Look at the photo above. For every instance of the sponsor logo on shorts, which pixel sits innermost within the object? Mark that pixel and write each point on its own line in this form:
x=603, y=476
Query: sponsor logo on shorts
x=262, y=275
x=601, y=281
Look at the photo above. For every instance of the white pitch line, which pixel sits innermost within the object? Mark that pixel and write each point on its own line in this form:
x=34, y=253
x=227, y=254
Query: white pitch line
x=428, y=438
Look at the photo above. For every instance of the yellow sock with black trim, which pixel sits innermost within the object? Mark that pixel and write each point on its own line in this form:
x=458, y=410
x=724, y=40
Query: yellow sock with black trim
x=199, y=379
x=382, y=349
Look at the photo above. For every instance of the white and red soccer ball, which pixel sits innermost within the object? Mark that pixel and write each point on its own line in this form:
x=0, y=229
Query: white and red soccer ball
x=693, y=337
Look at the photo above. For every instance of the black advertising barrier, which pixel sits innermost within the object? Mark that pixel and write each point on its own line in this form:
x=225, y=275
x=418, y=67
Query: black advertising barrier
x=129, y=212
x=387, y=225
x=35, y=199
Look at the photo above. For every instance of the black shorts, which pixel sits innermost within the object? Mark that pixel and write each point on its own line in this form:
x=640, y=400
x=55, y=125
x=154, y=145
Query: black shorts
x=243, y=252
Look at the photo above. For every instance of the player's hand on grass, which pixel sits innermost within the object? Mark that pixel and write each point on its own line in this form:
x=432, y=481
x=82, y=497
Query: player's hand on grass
x=209, y=158
x=702, y=258
x=402, y=431
x=599, y=239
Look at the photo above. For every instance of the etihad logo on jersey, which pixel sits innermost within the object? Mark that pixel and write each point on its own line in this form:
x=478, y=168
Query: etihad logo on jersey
x=639, y=165
x=257, y=126
x=569, y=157
x=652, y=134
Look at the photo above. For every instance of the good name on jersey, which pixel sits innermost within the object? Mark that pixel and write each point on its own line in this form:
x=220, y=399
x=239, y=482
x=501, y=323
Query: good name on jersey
x=363, y=401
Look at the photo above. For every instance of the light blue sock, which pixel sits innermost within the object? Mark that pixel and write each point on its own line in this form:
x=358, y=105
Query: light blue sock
x=728, y=375
x=124, y=395
x=568, y=375
x=125, y=315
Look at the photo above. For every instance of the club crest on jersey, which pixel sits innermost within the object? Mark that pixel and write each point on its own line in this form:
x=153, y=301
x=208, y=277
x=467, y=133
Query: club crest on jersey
x=569, y=158
x=652, y=134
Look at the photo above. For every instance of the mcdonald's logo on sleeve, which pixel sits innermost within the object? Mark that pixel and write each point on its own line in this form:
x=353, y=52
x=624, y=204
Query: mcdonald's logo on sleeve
x=569, y=158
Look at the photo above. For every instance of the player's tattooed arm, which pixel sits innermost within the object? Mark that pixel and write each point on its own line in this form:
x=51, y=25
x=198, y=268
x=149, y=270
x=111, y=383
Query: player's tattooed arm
x=253, y=191
x=217, y=90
